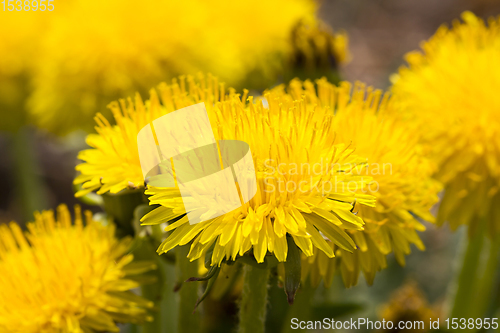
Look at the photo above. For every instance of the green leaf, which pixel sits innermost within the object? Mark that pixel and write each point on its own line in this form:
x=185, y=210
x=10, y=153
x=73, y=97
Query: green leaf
x=209, y=287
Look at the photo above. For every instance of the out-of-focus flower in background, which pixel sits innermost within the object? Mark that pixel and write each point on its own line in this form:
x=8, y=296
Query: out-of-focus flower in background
x=408, y=304
x=449, y=93
x=64, y=277
x=401, y=174
x=316, y=52
x=96, y=52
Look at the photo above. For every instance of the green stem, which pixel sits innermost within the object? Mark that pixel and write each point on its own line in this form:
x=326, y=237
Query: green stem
x=468, y=275
x=30, y=187
x=160, y=293
x=488, y=277
x=253, y=300
x=188, y=320
x=121, y=208
x=476, y=281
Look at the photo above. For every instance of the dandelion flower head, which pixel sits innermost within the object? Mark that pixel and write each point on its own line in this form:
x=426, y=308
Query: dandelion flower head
x=287, y=137
x=64, y=277
x=402, y=178
x=448, y=90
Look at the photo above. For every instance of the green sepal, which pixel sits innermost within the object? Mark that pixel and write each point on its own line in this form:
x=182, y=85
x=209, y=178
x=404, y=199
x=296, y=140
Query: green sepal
x=292, y=270
x=209, y=287
x=213, y=270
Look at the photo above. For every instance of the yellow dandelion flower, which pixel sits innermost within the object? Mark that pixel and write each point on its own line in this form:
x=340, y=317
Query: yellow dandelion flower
x=303, y=184
x=448, y=91
x=112, y=164
x=96, y=52
x=402, y=182
x=64, y=277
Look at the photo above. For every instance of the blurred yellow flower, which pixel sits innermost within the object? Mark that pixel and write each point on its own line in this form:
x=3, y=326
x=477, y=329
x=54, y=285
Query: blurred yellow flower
x=402, y=182
x=448, y=91
x=19, y=41
x=287, y=137
x=95, y=52
x=406, y=304
x=317, y=51
x=64, y=277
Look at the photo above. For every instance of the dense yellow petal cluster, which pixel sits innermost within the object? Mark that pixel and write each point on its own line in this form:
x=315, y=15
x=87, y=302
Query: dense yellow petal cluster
x=294, y=135
x=64, y=277
x=303, y=184
x=449, y=92
x=95, y=52
x=402, y=182
x=291, y=198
